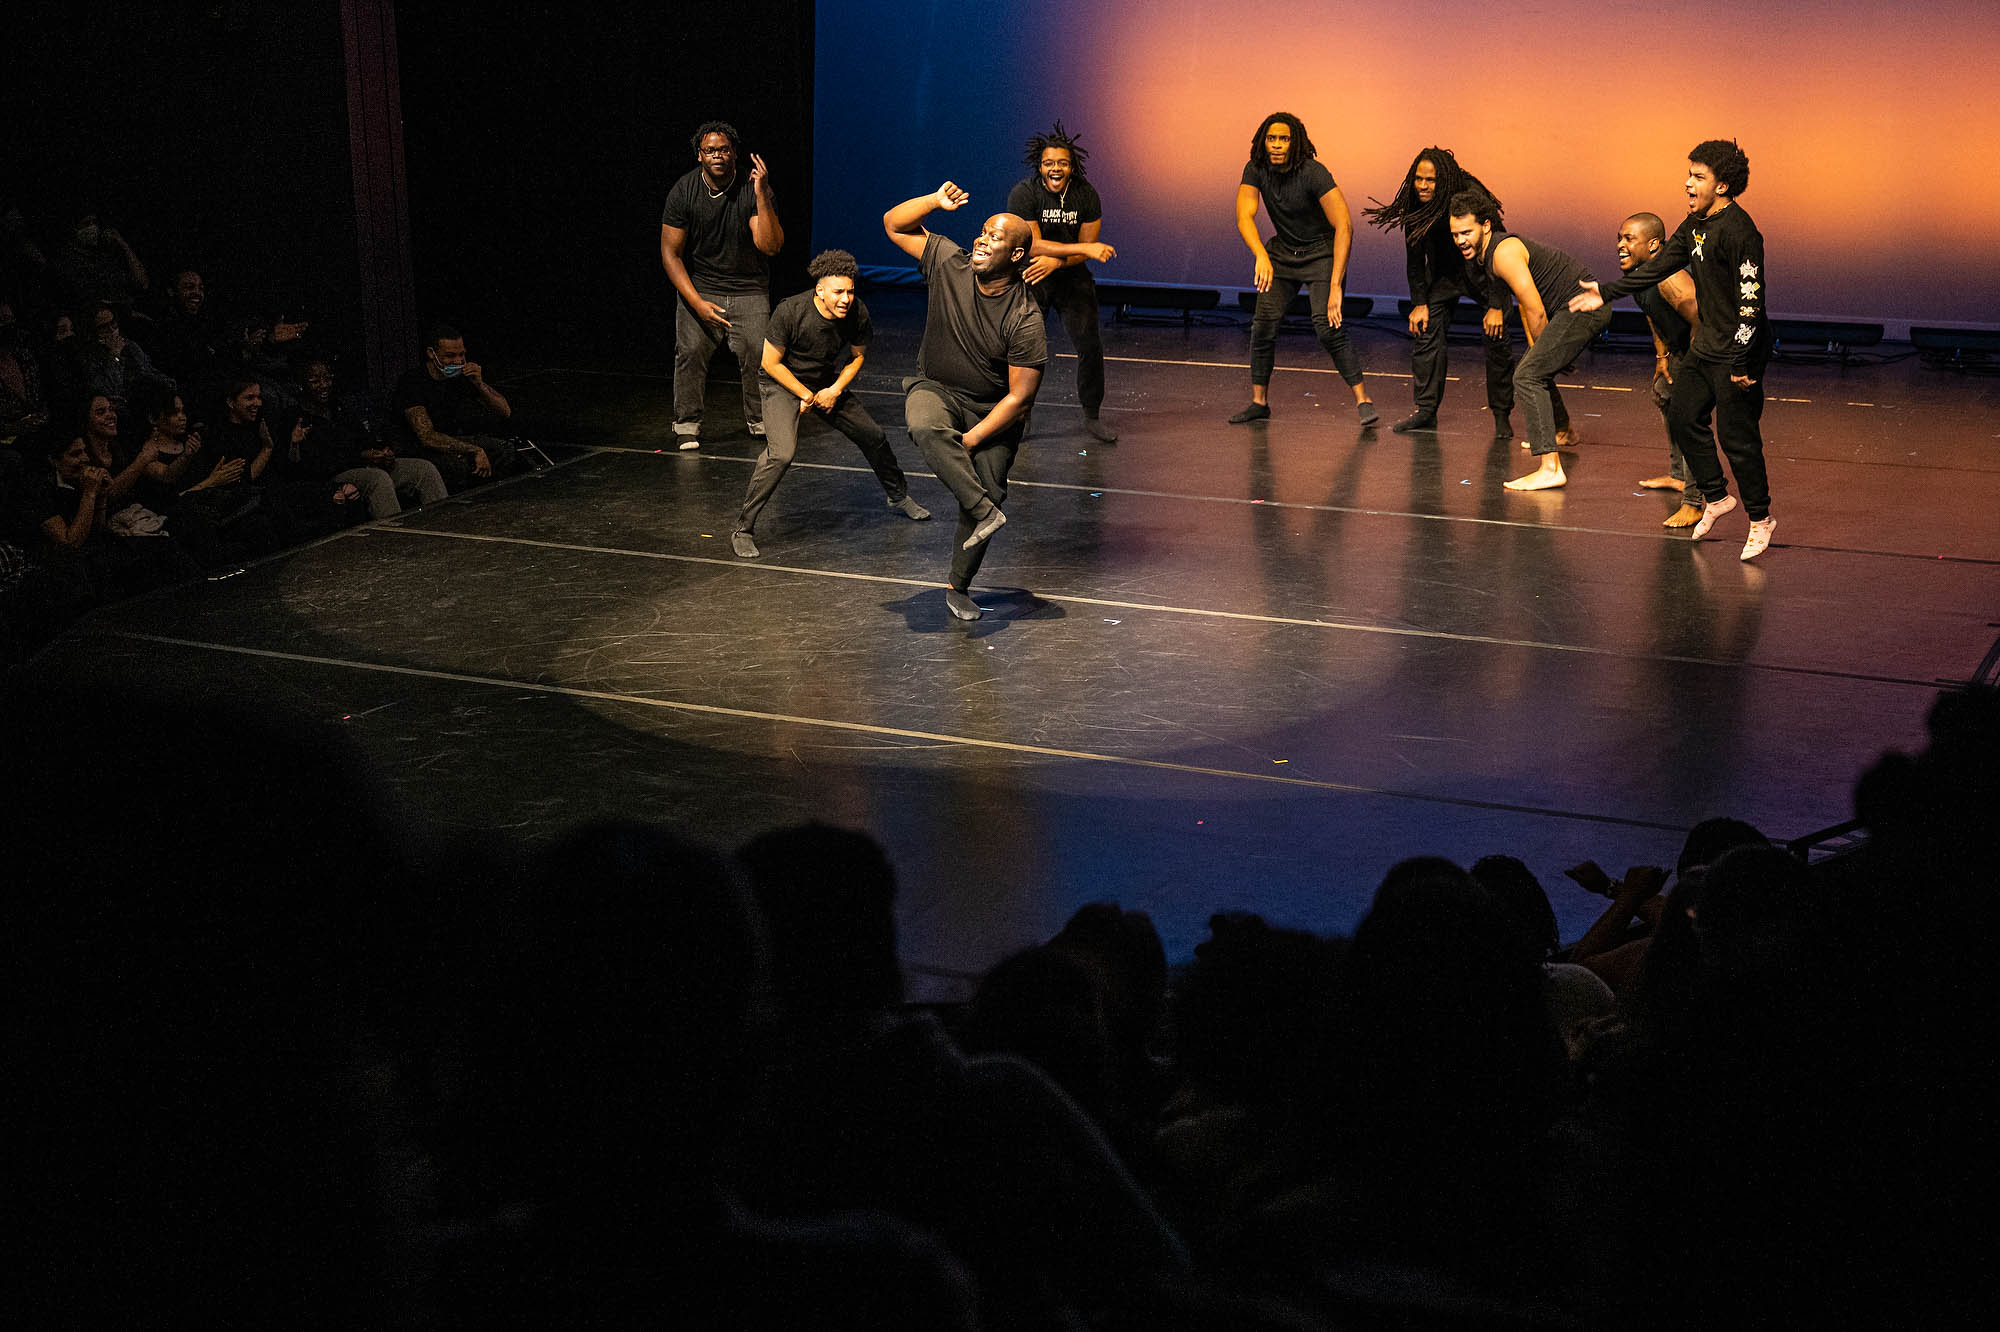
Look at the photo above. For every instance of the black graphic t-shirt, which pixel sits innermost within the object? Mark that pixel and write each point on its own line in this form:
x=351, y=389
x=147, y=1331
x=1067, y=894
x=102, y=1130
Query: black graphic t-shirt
x=1060, y=216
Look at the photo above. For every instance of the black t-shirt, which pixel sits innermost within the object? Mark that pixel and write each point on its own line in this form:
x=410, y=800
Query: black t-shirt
x=456, y=406
x=816, y=348
x=1060, y=216
x=720, y=257
x=1666, y=320
x=971, y=338
x=1292, y=199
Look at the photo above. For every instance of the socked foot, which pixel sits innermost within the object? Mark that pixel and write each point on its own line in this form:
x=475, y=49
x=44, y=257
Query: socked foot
x=1097, y=430
x=745, y=548
x=988, y=525
x=1685, y=516
x=1710, y=512
x=1415, y=421
x=1663, y=483
x=1546, y=477
x=1256, y=411
x=909, y=508
x=1759, y=538
x=961, y=606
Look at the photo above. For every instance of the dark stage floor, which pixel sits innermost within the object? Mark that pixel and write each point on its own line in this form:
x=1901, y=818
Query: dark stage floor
x=1221, y=667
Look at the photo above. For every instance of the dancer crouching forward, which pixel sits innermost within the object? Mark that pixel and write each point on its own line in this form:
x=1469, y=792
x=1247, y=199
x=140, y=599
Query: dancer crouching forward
x=1314, y=232
x=1542, y=279
x=1723, y=250
x=978, y=369
x=813, y=349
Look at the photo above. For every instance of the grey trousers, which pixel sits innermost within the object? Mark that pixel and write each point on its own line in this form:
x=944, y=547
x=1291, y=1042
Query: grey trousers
x=781, y=444
x=695, y=344
x=414, y=477
x=1566, y=335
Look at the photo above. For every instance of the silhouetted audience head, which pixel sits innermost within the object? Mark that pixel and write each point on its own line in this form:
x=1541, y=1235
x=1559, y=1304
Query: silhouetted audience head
x=1707, y=840
x=1253, y=1017
x=828, y=896
x=1517, y=892
x=1047, y=1007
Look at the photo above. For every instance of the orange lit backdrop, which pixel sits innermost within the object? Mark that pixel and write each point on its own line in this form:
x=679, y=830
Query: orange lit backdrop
x=1872, y=129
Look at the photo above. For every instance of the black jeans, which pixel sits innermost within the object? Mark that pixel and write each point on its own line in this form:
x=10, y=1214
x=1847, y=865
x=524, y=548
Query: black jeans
x=1703, y=386
x=1073, y=293
x=1562, y=340
x=1270, y=312
x=1429, y=361
x=1663, y=395
x=781, y=444
x=977, y=478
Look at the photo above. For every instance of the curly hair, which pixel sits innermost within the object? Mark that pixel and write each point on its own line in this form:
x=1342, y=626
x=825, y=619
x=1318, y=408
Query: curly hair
x=1730, y=163
x=722, y=127
x=1475, y=204
x=1417, y=218
x=1056, y=138
x=1302, y=144
x=833, y=263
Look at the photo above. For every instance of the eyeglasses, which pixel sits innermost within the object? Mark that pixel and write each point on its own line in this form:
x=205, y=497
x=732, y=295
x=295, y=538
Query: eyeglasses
x=717, y=152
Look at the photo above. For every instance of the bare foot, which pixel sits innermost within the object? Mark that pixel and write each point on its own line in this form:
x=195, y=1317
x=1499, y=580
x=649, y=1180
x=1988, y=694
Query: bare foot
x=1567, y=438
x=1685, y=516
x=1662, y=483
x=1546, y=477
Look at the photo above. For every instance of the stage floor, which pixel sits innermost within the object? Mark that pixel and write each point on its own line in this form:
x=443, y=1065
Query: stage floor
x=1221, y=668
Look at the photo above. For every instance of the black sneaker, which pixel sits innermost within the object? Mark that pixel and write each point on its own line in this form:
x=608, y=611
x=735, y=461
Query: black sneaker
x=1256, y=411
x=1097, y=430
x=1369, y=416
x=1415, y=421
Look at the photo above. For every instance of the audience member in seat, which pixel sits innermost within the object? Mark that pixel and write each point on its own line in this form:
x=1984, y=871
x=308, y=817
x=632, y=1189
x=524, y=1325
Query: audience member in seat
x=96, y=264
x=1574, y=994
x=386, y=481
x=446, y=412
x=874, y=1106
x=113, y=364
x=186, y=338
x=22, y=405
x=612, y=1042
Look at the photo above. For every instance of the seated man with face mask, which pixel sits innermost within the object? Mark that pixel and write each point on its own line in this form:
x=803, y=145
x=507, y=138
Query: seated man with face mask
x=444, y=411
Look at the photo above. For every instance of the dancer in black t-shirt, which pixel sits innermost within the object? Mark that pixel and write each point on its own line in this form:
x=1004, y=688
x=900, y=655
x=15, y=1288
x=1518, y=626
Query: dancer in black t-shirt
x=1314, y=232
x=1672, y=311
x=813, y=349
x=978, y=369
x=718, y=230
x=1721, y=247
x=1542, y=279
x=1066, y=215
x=1437, y=279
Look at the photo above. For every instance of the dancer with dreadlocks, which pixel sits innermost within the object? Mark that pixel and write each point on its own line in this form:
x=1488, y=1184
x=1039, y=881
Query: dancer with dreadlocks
x=1314, y=234
x=1721, y=247
x=1437, y=279
x=1063, y=209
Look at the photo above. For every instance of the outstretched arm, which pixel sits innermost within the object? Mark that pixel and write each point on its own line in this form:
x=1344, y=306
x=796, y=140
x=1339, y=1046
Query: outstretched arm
x=905, y=222
x=1671, y=259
